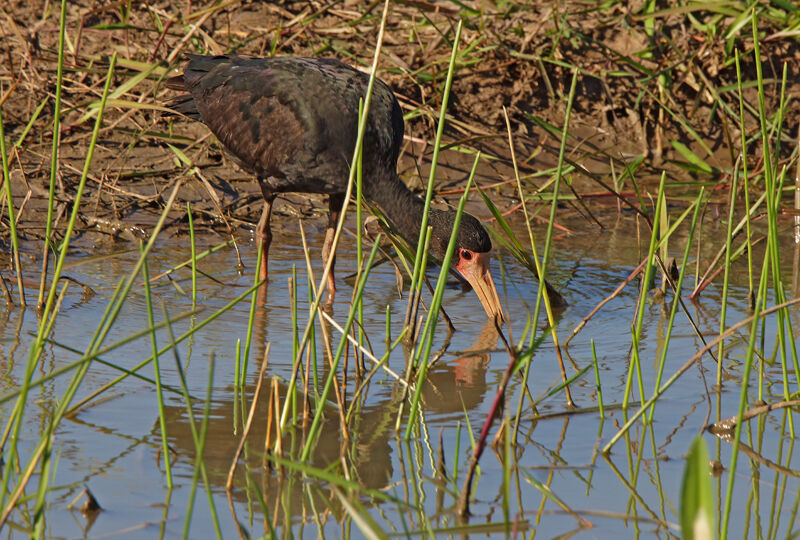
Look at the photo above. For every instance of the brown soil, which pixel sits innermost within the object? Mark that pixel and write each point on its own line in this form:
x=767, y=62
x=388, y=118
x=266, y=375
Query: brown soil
x=516, y=57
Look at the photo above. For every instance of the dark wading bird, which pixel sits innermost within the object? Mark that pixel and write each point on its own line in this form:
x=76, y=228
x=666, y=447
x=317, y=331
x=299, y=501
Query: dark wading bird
x=293, y=123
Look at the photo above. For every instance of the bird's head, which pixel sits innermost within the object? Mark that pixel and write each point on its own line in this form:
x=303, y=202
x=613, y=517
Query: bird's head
x=471, y=257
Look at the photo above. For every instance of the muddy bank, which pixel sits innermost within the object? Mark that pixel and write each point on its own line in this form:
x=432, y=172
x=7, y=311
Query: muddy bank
x=644, y=81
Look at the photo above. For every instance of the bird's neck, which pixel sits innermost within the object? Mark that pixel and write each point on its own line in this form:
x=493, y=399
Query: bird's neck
x=398, y=203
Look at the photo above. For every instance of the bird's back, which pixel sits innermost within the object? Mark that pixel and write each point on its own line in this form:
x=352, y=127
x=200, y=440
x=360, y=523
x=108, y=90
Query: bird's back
x=291, y=121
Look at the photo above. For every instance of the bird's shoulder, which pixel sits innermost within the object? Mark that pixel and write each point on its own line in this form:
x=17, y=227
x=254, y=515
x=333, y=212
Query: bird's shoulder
x=307, y=85
x=284, y=116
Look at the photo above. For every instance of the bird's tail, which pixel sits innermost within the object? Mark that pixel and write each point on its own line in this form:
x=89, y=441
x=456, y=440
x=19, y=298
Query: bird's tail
x=175, y=83
x=183, y=104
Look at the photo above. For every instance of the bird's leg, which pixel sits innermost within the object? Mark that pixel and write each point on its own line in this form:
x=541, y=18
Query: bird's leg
x=263, y=231
x=335, y=202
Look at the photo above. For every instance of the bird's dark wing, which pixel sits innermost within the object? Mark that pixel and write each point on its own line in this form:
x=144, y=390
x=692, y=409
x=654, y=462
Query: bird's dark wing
x=290, y=120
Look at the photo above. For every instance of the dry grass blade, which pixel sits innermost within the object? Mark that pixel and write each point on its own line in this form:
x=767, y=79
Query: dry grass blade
x=248, y=425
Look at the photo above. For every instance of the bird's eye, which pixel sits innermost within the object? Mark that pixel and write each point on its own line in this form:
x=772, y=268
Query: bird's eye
x=466, y=254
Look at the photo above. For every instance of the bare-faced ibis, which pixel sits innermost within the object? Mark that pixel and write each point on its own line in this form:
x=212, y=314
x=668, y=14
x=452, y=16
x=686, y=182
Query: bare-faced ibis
x=292, y=122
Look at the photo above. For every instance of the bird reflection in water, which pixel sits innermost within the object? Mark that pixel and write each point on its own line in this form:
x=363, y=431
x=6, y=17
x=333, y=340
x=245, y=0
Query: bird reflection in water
x=371, y=454
x=460, y=384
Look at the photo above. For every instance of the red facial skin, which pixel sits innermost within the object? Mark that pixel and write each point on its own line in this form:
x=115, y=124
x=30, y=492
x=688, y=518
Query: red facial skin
x=475, y=269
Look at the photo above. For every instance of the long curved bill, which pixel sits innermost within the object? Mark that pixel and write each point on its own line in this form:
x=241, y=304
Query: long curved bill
x=477, y=272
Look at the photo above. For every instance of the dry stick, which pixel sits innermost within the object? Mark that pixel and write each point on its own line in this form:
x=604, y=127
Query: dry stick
x=755, y=456
x=606, y=300
x=250, y=416
x=679, y=299
x=182, y=43
x=307, y=395
x=727, y=426
x=361, y=348
x=271, y=405
x=326, y=338
x=707, y=348
x=215, y=200
x=705, y=280
x=27, y=198
x=6, y=292
x=276, y=399
x=463, y=500
x=23, y=482
x=7, y=93
x=382, y=364
x=709, y=278
x=160, y=40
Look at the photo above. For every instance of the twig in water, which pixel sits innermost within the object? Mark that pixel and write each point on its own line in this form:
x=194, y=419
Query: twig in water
x=463, y=501
x=725, y=428
x=229, y=483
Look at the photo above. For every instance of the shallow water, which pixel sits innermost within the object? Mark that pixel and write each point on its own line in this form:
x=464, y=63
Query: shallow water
x=112, y=445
